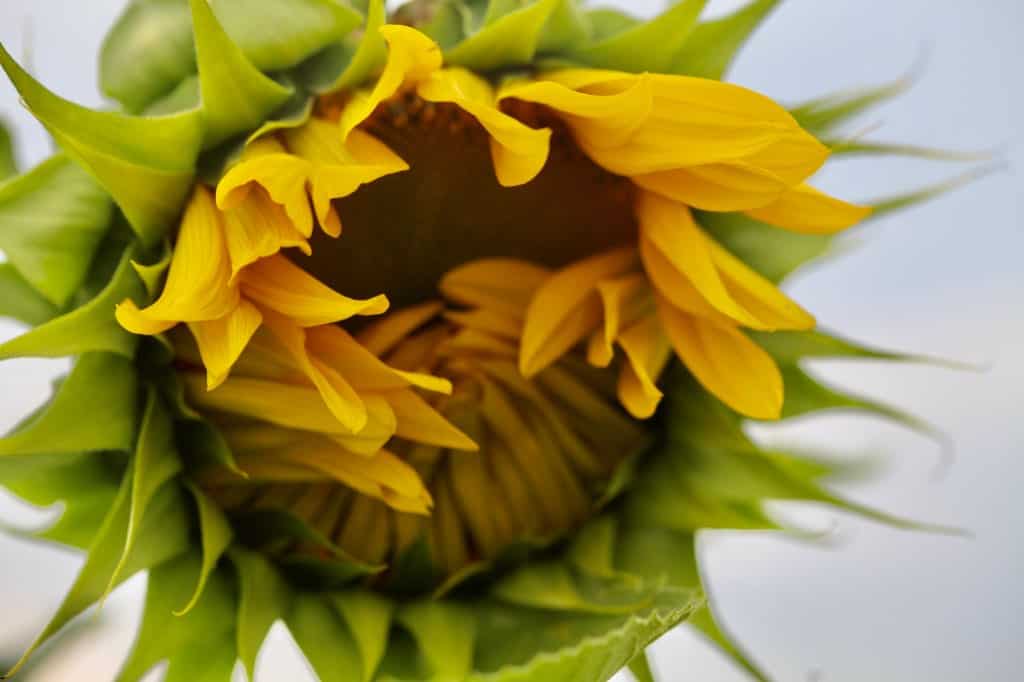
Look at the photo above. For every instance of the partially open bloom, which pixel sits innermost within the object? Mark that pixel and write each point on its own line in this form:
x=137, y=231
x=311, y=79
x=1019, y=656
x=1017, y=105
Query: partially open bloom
x=433, y=339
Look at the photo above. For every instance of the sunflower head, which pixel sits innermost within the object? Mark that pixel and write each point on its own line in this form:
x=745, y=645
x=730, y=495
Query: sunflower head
x=432, y=336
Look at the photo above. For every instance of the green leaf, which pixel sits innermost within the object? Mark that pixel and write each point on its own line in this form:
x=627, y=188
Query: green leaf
x=773, y=252
x=713, y=45
x=524, y=645
x=52, y=220
x=147, y=53
x=640, y=667
x=93, y=410
x=649, y=46
x=8, y=163
x=350, y=64
x=155, y=463
x=264, y=598
x=235, y=95
x=164, y=535
x=445, y=633
x=510, y=40
x=85, y=485
x=215, y=534
x=147, y=164
x=324, y=638
x=200, y=645
x=369, y=619
x=21, y=302
x=91, y=328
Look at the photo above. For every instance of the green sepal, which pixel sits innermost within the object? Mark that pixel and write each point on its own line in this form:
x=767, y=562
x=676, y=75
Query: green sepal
x=606, y=23
x=324, y=638
x=351, y=63
x=146, y=164
x=872, y=148
x=510, y=40
x=640, y=668
x=152, y=275
x=164, y=535
x=279, y=34
x=772, y=252
x=199, y=441
x=215, y=537
x=515, y=644
x=368, y=616
x=704, y=622
x=445, y=633
x=8, y=162
x=822, y=116
x=235, y=95
x=147, y=53
x=268, y=529
x=184, y=97
x=648, y=46
x=155, y=463
x=84, y=485
x=713, y=45
x=20, y=301
x=264, y=598
x=52, y=221
x=555, y=586
x=150, y=51
x=887, y=205
x=94, y=409
x=292, y=114
x=199, y=645
x=567, y=28
x=90, y=328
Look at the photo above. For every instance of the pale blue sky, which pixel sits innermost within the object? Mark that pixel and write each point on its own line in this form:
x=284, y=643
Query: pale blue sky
x=945, y=279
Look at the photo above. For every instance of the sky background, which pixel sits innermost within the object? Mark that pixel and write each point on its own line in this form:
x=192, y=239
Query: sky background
x=944, y=279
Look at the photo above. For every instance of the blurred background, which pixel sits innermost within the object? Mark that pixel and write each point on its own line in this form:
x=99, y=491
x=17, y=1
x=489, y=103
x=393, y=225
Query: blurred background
x=944, y=279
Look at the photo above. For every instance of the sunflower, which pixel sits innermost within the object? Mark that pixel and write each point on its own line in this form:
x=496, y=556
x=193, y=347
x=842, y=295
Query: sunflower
x=432, y=335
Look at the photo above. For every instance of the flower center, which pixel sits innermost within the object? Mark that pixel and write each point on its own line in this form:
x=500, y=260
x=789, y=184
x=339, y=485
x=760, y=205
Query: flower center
x=403, y=232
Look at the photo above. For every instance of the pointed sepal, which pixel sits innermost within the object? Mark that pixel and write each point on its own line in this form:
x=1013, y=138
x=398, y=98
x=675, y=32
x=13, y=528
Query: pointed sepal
x=714, y=44
x=52, y=220
x=146, y=164
x=510, y=39
x=235, y=95
x=94, y=409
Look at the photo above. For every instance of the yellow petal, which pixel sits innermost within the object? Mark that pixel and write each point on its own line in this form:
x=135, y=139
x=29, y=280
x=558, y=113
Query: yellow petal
x=691, y=122
x=412, y=57
x=197, y=286
x=488, y=320
x=280, y=285
x=222, y=341
x=339, y=167
x=724, y=281
x=336, y=347
x=716, y=187
x=381, y=424
x=727, y=363
x=419, y=421
x=381, y=336
x=566, y=308
x=519, y=152
x=603, y=121
x=504, y=285
x=623, y=302
x=805, y=209
x=283, y=176
x=338, y=394
x=288, y=405
x=647, y=350
x=258, y=227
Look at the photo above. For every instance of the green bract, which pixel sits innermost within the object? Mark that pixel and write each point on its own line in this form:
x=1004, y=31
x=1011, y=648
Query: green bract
x=89, y=228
